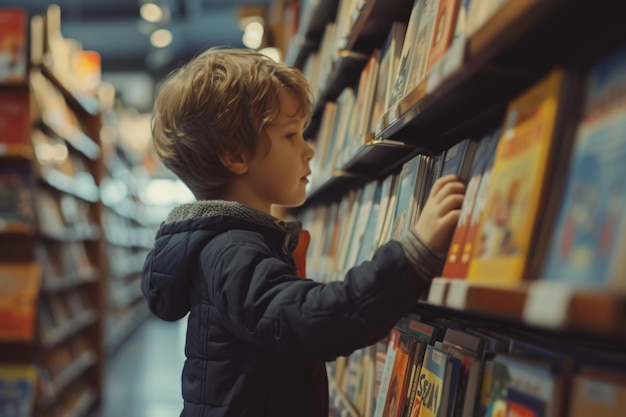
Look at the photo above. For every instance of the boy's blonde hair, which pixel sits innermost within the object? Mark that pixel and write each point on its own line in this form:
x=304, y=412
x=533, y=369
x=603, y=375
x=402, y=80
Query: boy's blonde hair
x=217, y=103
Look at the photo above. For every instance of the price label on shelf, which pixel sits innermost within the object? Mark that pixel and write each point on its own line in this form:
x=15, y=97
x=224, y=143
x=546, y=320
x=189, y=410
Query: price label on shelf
x=457, y=294
x=547, y=304
x=437, y=293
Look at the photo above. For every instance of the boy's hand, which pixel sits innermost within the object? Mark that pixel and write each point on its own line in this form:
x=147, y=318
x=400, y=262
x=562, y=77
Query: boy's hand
x=440, y=214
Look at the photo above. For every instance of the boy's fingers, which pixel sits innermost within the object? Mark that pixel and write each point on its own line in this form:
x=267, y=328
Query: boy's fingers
x=441, y=182
x=449, y=188
x=451, y=202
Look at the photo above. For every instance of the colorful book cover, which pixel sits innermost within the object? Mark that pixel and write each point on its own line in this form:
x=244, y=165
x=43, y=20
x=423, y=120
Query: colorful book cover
x=14, y=119
x=387, y=371
x=396, y=393
x=518, y=185
x=18, y=384
x=407, y=181
x=534, y=379
x=421, y=49
x=16, y=195
x=405, y=65
x=479, y=164
x=13, y=46
x=19, y=289
x=587, y=242
x=443, y=31
x=430, y=383
x=471, y=212
x=593, y=396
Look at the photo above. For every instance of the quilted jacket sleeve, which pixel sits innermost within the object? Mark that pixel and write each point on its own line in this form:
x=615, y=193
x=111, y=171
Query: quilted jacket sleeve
x=262, y=301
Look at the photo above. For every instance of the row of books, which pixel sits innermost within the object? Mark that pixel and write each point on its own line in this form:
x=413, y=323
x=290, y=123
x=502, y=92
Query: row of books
x=418, y=53
x=26, y=41
x=440, y=367
x=545, y=196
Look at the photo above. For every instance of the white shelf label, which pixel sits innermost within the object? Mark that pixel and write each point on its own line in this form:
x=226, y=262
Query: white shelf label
x=547, y=303
x=437, y=292
x=457, y=294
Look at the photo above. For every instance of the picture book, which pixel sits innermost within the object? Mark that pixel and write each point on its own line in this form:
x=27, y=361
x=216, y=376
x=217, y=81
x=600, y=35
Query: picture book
x=369, y=199
x=387, y=371
x=536, y=380
x=19, y=289
x=443, y=31
x=588, y=241
x=403, y=210
x=16, y=195
x=518, y=184
x=483, y=154
x=387, y=74
x=422, y=47
x=458, y=159
x=396, y=393
x=462, y=244
x=422, y=187
x=363, y=105
x=18, y=384
x=430, y=383
x=404, y=66
x=13, y=45
x=596, y=396
x=454, y=57
x=14, y=120
x=367, y=244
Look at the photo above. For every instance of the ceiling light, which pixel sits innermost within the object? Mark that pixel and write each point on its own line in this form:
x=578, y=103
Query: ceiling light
x=253, y=35
x=161, y=38
x=151, y=12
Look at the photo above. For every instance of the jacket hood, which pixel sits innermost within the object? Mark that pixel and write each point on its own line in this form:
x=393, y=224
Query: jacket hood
x=168, y=268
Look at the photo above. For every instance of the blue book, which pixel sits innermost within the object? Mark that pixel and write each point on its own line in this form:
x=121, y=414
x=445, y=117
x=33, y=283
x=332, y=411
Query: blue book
x=589, y=240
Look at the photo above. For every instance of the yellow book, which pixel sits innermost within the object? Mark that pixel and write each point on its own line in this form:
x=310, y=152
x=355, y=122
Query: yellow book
x=517, y=187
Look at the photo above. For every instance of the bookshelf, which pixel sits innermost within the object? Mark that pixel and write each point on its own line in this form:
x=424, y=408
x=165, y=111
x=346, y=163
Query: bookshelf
x=51, y=239
x=466, y=95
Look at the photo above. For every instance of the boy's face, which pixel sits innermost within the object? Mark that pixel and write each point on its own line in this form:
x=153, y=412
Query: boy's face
x=280, y=175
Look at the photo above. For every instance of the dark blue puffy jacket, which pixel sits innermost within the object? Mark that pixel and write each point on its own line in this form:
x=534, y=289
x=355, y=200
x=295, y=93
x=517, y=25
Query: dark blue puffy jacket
x=257, y=334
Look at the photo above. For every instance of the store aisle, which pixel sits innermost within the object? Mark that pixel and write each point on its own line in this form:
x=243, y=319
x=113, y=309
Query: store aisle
x=143, y=377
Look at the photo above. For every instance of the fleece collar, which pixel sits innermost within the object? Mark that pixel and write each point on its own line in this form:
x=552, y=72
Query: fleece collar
x=232, y=209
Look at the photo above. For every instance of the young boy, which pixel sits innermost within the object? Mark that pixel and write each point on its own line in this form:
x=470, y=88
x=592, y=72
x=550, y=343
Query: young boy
x=230, y=125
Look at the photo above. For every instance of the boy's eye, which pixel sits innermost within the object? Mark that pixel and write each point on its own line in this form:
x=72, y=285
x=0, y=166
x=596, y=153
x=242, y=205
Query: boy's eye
x=292, y=135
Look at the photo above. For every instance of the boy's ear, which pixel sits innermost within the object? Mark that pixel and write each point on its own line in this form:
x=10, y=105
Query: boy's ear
x=236, y=162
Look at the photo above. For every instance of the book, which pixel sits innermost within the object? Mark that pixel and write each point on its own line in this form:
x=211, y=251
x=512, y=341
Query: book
x=16, y=195
x=430, y=384
x=518, y=187
x=596, y=396
x=458, y=159
x=423, y=43
x=535, y=379
x=587, y=242
x=386, y=374
x=14, y=120
x=386, y=72
x=19, y=289
x=18, y=384
x=360, y=120
x=462, y=244
x=404, y=69
x=13, y=45
x=445, y=25
x=406, y=190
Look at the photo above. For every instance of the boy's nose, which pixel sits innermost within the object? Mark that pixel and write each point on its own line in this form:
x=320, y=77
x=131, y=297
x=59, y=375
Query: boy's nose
x=309, y=151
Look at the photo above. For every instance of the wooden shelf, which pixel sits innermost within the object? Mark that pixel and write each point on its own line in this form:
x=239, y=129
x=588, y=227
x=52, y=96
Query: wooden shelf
x=539, y=304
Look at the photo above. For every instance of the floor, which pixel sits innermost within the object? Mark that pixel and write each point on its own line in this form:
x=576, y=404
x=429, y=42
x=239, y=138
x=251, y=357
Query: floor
x=143, y=376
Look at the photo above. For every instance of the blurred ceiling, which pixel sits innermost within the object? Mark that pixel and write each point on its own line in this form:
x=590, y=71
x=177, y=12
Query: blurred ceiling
x=115, y=29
